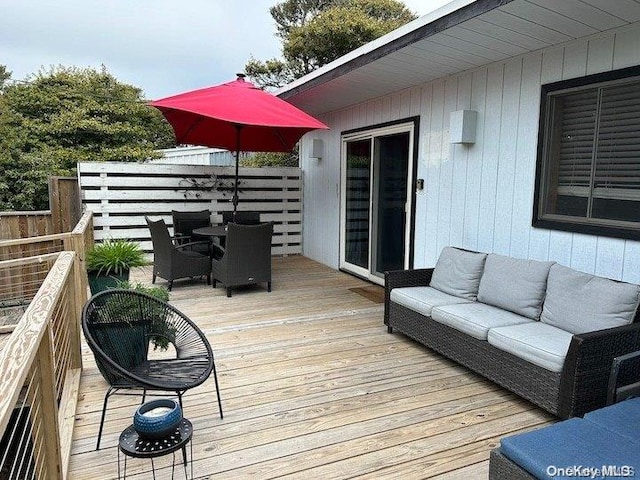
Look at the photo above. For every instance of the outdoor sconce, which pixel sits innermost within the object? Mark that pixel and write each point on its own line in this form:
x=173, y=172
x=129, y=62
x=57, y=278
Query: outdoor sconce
x=317, y=149
x=462, y=126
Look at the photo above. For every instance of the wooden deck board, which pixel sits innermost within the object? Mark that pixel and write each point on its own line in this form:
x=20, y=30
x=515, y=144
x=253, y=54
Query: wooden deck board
x=312, y=387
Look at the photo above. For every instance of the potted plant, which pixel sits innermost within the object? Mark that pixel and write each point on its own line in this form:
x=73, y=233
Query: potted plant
x=110, y=261
x=161, y=333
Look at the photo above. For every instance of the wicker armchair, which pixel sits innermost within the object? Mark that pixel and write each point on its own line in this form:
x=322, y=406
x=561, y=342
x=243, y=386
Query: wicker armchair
x=247, y=257
x=119, y=326
x=171, y=261
x=183, y=225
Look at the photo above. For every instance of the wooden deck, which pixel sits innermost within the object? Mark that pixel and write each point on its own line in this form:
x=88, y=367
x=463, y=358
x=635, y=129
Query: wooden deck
x=313, y=387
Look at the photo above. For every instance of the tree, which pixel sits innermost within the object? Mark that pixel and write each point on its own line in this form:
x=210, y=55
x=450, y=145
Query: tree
x=316, y=32
x=5, y=75
x=69, y=115
x=271, y=159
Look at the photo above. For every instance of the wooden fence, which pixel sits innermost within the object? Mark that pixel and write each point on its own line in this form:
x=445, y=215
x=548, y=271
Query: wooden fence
x=64, y=213
x=23, y=266
x=121, y=194
x=41, y=362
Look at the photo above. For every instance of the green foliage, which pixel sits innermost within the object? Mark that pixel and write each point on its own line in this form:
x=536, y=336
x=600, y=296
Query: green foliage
x=271, y=159
x=4, y=76
x=291, y=14
x=343, y=28
x=67, y=115
x=269, y=74
x=316, y=32
x=162, y=332
x=160, y=293
x=115, y=256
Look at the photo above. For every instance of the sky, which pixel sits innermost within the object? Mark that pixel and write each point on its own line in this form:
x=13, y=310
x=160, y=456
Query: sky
x=163, y=47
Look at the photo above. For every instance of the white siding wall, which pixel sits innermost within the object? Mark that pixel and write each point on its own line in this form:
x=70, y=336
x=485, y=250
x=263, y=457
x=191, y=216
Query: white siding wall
x=481, y=196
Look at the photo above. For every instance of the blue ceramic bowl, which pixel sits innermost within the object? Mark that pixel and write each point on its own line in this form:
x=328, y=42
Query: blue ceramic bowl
x=157, y=419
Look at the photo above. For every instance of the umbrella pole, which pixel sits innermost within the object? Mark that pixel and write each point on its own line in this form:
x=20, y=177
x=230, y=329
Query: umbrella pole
x=235, y=187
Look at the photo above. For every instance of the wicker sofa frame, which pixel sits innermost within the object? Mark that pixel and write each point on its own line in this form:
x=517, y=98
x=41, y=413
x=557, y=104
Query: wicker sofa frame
x=501, y=467
x=578, y=389
x=624, y=383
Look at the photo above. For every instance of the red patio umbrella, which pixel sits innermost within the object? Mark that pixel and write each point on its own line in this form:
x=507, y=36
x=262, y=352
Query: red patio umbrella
x=236, y=116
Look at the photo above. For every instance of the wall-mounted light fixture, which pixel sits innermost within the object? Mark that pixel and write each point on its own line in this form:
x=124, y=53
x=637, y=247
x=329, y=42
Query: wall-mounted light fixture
x=317, y=149
x=462, y=126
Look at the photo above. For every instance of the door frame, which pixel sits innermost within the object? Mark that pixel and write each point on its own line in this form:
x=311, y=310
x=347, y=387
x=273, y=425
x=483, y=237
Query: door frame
x=410, y=125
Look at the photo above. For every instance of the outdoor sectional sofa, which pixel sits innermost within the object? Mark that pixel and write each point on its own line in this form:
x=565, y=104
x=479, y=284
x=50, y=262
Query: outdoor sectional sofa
x=544, y=331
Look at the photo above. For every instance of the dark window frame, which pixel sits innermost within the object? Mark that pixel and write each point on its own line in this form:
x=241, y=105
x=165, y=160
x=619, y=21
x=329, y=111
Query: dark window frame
x=573, y=224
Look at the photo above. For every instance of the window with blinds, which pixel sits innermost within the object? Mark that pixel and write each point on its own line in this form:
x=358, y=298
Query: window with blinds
x=588, y=173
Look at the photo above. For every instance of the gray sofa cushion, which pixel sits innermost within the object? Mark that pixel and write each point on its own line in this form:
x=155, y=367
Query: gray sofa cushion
x=514, y=284
x=543, y=345
x=579, y=302
x=422, y=299
x=475, y=319
x=458, y=272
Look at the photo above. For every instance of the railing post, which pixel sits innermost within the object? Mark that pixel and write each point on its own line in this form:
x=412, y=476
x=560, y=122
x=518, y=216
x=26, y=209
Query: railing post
x=75, y=242
x=77, y=291
x=48, y=412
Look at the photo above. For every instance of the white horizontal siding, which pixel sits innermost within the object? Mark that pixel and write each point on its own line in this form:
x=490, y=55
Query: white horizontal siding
x=480, y=196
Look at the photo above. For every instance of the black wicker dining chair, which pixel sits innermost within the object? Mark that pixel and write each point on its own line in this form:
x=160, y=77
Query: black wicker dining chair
x=120, y=325
x=241, y=218
x=246, y=259
x=172, y=262
x=183, y=225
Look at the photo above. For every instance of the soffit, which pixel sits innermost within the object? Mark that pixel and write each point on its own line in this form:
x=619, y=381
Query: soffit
x=477, y=34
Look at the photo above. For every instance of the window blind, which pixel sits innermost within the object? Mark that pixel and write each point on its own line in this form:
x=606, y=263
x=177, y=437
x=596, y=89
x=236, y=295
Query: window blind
x=602, y=125
x=617, y=170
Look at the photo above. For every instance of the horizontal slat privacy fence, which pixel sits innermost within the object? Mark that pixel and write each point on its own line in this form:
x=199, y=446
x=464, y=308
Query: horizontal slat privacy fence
x=121, y=194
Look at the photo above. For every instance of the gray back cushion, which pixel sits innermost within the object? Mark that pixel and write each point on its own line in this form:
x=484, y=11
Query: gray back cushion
x=578, y=302
x=458, y=272
x=514, y=284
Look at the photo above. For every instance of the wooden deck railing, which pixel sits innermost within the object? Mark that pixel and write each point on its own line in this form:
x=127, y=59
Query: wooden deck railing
x=40, y=362
x=23, y=266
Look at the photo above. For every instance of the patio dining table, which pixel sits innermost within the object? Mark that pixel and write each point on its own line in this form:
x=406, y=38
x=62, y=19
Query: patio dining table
x=212, y=232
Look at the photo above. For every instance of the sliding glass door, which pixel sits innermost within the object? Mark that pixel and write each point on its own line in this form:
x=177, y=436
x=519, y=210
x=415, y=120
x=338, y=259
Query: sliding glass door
x=376, y=168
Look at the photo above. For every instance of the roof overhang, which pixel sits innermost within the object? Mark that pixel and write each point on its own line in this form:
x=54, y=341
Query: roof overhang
x=460, y=36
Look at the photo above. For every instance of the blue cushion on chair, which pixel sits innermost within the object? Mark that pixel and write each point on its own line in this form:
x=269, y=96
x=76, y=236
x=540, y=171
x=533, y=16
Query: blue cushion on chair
x=568, y=444
x=622, y=418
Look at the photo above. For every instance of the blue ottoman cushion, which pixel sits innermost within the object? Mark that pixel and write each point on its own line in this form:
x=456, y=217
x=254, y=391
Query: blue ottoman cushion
x=622, y=418
x=569, y=444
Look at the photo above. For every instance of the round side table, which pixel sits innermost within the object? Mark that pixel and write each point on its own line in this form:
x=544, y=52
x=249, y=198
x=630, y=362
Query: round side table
x=132, y=445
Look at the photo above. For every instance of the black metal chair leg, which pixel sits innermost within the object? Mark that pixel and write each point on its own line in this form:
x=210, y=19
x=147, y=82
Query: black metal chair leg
x=215, y=379
x=110, y=392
